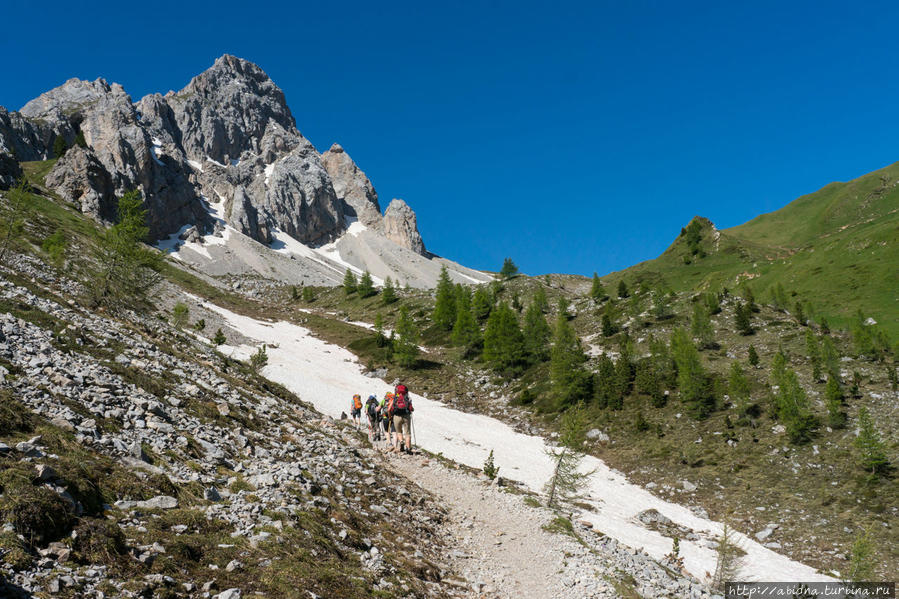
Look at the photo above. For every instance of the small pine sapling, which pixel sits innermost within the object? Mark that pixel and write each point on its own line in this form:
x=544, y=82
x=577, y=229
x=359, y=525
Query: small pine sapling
x=259, y=359
x=219, y=337
x=491, y=469
x=872, y=455
x=753, y=357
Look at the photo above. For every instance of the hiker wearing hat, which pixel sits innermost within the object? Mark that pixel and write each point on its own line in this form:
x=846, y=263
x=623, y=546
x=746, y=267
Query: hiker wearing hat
x=402, y=419
x=386, y=417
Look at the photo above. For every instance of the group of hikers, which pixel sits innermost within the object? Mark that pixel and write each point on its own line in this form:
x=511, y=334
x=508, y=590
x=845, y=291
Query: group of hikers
x=389, y=418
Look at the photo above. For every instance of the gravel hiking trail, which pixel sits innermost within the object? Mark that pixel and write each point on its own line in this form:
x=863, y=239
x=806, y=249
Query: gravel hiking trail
x=497, y=541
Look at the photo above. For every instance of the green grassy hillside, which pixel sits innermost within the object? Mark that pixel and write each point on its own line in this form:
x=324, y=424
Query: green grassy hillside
x=837, y=248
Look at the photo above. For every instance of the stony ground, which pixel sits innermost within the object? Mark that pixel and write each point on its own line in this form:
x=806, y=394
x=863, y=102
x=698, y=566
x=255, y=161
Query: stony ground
x=181, y=473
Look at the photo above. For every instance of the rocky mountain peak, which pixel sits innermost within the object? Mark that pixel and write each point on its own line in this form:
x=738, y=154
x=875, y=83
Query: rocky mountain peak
x=401, y=226
x=228, y=108
x=352, y=187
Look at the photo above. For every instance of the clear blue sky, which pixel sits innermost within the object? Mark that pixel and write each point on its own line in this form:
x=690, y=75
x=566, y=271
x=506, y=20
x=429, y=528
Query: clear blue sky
x=572, y=137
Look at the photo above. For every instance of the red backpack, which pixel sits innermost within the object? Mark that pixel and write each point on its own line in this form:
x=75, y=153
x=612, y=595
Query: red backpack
x=401, y=401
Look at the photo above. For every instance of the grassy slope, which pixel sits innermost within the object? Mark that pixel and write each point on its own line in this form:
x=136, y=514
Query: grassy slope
x=837, y=247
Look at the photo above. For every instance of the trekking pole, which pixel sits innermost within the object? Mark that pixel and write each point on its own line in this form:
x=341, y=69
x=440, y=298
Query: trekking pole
x=412, y=424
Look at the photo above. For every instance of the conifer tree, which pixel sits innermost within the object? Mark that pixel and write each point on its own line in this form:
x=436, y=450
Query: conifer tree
x=792, y=405
x=126, y=268
x=738, y=384
x=749, y=297
x=661, y=306
x=779, y=297
x=861, y=562
x=692, y=379
x=648, y=382
x=570, y=381
x=743, y=319
x=701, y=327
x=366, y=286
x=813, y=352
x=349, y=282
x=830, y=358
x=730, y=561
x=380, y=337
x=605, y=387
x=509, y=269
x=516, y=302
x=608, y=329
x=503, y=340
x=622, y=289
x=712, y=302
x=219, y=337
x=59, y=146
x=465, y=329
x=567, y=481
x=562, y=307
x=597, y=291
x=753, y=356
x=540, y=300
x=536, y=333
x=799, y=313
x=481, y=304
x=79, y=139
x=833, y=397
x=388, y=294
x=444, y=315
x=308, y=294
x=405, y=346
x=871, y=449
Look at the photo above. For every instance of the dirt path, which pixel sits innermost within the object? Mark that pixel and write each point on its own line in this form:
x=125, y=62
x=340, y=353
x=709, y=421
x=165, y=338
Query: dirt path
x=497, y=541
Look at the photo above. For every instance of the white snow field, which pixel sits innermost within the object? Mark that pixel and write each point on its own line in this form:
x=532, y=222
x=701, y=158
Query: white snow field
x=327, y=376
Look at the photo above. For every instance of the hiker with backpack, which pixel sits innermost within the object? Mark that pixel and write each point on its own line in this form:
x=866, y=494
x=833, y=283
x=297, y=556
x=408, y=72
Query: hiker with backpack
x=356, y=410
x=374, y=426
x=401, y=410
x=386, y=417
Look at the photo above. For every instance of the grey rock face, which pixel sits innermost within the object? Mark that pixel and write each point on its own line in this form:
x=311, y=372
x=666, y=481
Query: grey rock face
x=352, y=187
x=298, y=197
x=401, y=226
x=80, y=176
x=25, y=139
x=9, y=171
x=243, y=216
x=224, y=111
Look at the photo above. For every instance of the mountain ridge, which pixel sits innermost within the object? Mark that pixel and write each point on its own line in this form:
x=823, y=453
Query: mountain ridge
x=224, y=151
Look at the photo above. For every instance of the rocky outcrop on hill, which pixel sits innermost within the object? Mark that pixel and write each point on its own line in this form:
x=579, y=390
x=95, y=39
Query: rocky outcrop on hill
x=352, y=187
x=80, y=176
x=401, y=226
